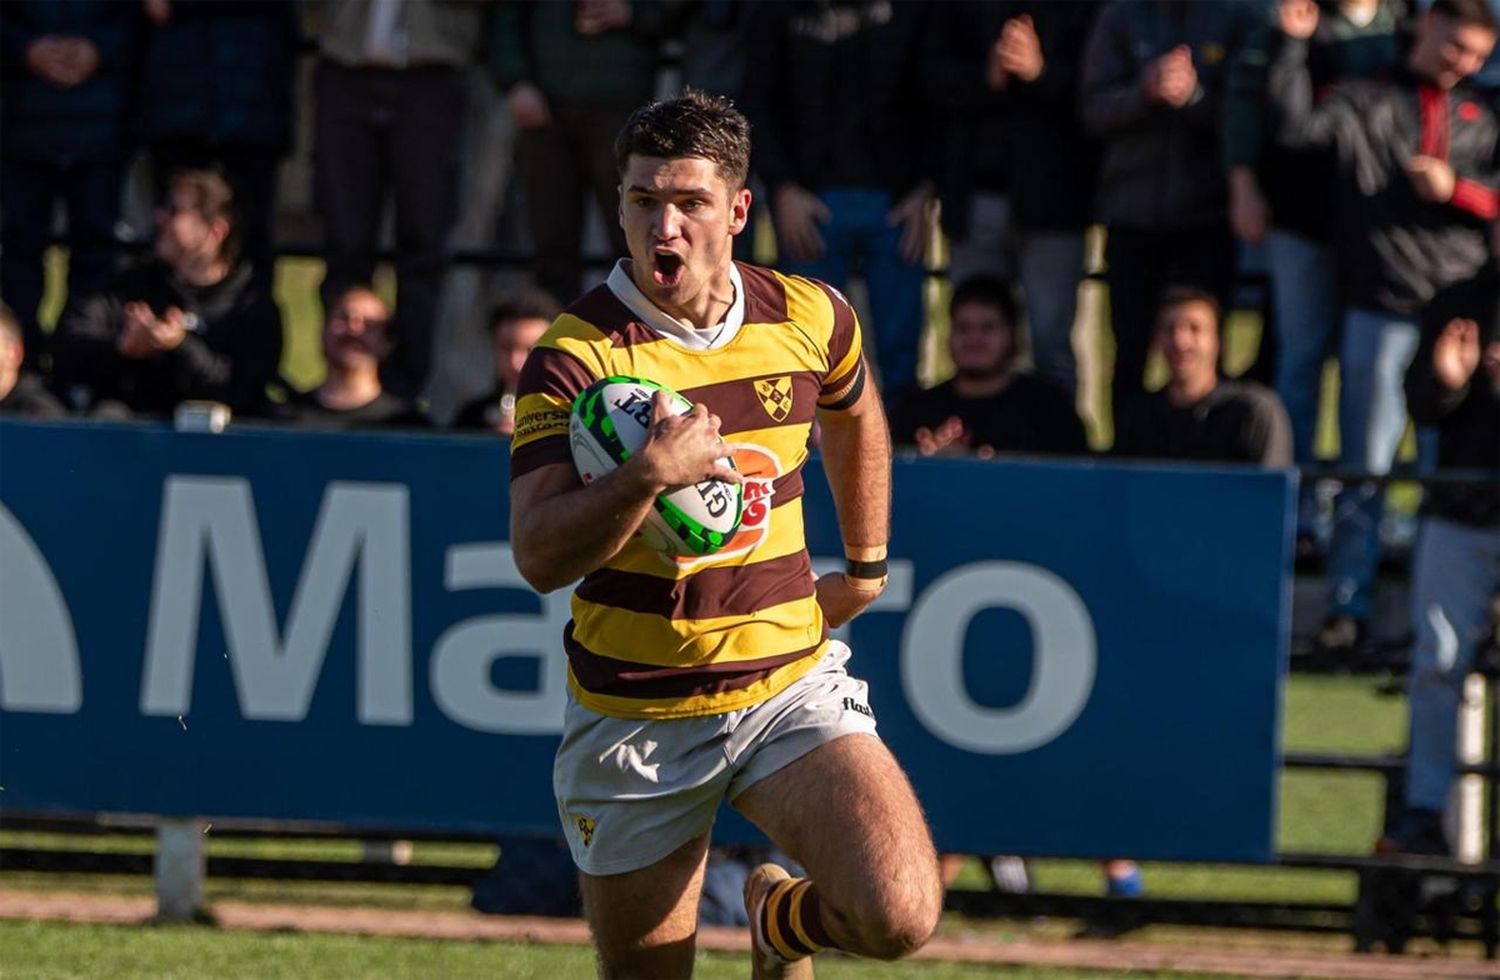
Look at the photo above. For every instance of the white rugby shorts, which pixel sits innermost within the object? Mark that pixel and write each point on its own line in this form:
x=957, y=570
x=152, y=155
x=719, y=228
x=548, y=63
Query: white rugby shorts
x=630, y=791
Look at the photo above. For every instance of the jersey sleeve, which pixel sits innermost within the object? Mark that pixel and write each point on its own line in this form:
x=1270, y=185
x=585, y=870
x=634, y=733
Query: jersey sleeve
x=845, y=380
x=549, y=382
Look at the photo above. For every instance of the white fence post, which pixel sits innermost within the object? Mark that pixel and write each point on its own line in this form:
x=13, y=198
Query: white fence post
x=180, y=868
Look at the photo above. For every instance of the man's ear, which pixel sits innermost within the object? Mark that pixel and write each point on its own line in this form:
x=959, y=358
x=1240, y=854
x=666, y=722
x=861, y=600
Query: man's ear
x=739, y=211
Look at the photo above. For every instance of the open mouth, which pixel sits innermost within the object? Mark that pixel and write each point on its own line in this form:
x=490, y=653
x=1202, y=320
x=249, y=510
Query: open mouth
x=667, y=268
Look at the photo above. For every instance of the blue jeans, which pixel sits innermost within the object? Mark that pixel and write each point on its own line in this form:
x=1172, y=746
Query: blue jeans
x=1374, y=352
x=1455, y=572
x=1305, y=294
x=857, y=235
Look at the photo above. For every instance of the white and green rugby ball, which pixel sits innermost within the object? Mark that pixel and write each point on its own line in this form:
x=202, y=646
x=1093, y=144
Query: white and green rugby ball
x=610, y=420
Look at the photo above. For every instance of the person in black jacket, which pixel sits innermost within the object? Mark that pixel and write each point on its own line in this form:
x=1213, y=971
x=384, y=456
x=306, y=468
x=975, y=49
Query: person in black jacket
x=21, y=391
x=1017, y=177
x=1414, y=188
x=1454, y=384
x=517, y=323
x=1154, y=76
x=987, y=407
x=356, y=338
x=841, y=141
x=216, y=91
x=1280, y=197
x=1196, y=415
x=65, y=87
x=193, y=324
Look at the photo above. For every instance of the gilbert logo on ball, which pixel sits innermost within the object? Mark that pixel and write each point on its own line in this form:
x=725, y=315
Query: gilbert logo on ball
x=611, y=420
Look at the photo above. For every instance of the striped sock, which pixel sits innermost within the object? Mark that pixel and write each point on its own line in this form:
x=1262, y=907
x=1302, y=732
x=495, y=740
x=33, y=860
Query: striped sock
x=791, y=919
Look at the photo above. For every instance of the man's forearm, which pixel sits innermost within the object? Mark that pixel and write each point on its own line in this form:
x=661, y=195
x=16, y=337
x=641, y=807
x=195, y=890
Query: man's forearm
x=563, y=537
x=857, y=460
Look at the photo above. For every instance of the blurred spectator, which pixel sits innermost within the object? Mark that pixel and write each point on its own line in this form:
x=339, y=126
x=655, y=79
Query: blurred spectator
x=1154, y=76
x=1282, y=197
x=1414, y=188
x=1017, y=180
x=65, y=89
x=572, y=74
x=390, y=93
x=192, y=324
x=842, y=143
x=1196, y=416
x=21, y=391
x=988, y=406
x=517, y=323
x=713, y=34
x=356, y=339
x=216, y=92
x=1453, y=383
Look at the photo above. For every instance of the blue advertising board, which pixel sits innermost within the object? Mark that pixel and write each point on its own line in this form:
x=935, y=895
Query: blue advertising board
x=1072, y=658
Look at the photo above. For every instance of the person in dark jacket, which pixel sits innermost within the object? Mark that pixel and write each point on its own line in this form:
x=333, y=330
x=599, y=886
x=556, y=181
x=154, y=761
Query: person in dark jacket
x=1017, y=178
x=1281, y=197
x=842, y=143
x=1154, y=77
x=216, y=91
x=1454, y=384
x=572, y=73
x=21, y=391
x=356, y=338
x=517, y=323
x=1196, y=415
x=390, y=93
x=1414, y=188
x=988, y=407
x=193, y=324
x=66, y=71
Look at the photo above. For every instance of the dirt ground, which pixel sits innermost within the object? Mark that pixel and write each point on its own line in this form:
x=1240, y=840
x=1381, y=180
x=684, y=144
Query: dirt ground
x=1111, y=956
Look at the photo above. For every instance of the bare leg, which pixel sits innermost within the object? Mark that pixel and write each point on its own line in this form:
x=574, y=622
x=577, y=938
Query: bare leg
x=645, y=923
x=847, y=813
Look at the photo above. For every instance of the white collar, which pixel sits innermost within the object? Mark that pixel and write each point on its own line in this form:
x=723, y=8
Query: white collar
x=626, y=291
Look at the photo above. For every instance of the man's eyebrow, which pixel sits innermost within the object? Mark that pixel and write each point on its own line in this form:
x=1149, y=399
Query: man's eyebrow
x=679, y=192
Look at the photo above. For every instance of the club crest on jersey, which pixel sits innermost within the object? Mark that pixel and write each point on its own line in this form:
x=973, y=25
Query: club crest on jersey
x=759, y=468
x=585, y=829
x=775, y=396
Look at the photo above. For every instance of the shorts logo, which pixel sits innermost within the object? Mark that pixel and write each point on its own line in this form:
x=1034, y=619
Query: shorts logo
x=852, y=705
x=585, y=829
x=775, y=396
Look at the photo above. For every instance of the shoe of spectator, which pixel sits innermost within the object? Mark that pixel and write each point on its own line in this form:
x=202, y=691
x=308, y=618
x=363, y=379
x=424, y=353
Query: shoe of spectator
x=1010, y=874
x=1415, y=831
x=1340, y=639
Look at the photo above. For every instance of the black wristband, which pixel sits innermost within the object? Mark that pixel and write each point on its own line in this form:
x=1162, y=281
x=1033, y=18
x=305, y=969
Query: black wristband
x=867, y=569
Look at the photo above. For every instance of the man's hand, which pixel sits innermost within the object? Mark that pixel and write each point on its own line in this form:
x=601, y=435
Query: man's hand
x=682, y=450
x=1177, y=78
x=167, y=332
x=841, y=600
x=948, y=439
x=1019, y=50
x=1455, y=354
x=1249, y=214
x=158, y=11
x=144, y=334
x=913, y=215
x=599, y=16
x=528, y=106
x=1298, y=18
x=64, y=61
x=798, y=214
x=1432, y=178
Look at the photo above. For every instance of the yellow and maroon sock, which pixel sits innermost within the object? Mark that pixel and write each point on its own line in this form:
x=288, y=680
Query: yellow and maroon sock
x=791, y=919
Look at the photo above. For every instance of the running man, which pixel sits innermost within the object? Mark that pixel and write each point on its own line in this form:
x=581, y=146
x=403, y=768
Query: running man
x=693, y=681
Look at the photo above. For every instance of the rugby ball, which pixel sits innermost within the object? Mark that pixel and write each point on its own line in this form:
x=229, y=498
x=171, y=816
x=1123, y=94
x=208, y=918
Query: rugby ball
x=610, y=420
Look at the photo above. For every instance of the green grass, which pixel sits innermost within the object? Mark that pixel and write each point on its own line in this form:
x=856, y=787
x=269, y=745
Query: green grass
x=49, y=951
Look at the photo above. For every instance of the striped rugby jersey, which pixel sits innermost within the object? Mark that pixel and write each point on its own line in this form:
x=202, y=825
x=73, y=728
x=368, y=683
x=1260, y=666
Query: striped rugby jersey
x=656, y=637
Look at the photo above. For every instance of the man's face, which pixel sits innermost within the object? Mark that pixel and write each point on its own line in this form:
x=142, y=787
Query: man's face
x=679, y=218
x=1187, y=334
x=182, y=233
x=356, y=332
x=513, y=341
x=979, y=339
x=1447, y=50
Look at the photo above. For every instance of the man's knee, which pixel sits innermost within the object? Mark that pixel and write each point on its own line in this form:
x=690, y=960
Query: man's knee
x=896, y=922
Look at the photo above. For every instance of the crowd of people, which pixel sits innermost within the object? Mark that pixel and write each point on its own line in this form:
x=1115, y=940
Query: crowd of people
x=1341, y=141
